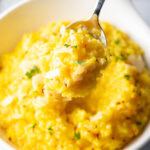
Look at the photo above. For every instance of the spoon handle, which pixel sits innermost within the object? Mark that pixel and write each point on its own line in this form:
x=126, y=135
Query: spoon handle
x=99, y=6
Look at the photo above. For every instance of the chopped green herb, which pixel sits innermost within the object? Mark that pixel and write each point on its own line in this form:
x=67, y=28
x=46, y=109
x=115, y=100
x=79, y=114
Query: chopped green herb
x=34, y=125
x=120, y=58
x=29, y=75
x=66, y=45
x=50, y=129
x=117, y=42
x=76, y=136
x=139, y=123
x=79, y=62
x=75, y=46
x=35, y=70
x=32, y=72
x=127, y=76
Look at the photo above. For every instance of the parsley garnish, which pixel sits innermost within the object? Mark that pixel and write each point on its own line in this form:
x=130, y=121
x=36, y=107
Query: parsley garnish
x=127, y=76
x=117, y=42
x=66, y=45
x=34, y=125
x=121, y=58
x=75, y=46
x=79, y=62
x=50, y=129
x=29, y=75
x=35, y=70
x=76, y=136
x=139, y=123
x=32, y=72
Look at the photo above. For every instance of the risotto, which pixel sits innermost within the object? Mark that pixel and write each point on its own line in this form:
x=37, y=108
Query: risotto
x=63, y=90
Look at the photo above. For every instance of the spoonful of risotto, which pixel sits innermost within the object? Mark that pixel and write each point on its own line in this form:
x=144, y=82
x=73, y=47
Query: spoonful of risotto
x=78, y=57
x=93, y=24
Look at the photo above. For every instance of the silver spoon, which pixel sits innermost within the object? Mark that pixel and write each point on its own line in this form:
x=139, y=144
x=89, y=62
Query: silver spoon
x=92, y=23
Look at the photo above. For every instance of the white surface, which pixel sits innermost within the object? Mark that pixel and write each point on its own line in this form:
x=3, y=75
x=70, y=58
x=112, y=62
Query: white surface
x=143, y=7
x=6, y=3
x=32, y=15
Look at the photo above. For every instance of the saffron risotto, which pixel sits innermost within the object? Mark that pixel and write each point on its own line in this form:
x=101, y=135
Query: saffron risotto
x=63, y=90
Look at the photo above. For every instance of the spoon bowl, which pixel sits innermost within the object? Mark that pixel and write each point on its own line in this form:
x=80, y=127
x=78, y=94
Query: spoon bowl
x=93, y=24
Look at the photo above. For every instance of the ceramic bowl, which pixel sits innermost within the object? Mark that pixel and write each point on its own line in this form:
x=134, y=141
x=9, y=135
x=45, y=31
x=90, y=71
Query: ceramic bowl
x=30, y=15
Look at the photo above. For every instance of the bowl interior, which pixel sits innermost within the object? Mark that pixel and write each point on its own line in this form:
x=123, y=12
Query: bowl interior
x=30, y=15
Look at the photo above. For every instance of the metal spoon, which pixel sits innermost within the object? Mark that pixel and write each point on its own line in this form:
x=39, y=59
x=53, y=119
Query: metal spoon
x=92, y=23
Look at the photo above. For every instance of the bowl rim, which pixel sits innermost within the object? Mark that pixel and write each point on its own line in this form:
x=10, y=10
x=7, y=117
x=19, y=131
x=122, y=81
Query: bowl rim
x=12, y=8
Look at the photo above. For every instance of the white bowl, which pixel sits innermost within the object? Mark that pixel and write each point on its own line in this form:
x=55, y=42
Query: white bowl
x=30, y=15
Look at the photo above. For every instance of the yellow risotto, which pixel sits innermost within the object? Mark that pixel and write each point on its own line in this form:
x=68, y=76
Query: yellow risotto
x=63, y=90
